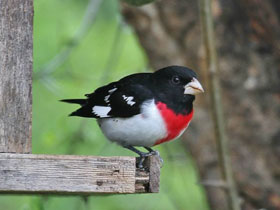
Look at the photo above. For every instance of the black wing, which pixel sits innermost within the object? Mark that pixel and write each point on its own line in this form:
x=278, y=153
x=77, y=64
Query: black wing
x=118, y=99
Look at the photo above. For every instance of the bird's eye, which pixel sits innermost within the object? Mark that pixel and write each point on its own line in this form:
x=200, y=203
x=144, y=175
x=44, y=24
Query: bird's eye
x=176, y=80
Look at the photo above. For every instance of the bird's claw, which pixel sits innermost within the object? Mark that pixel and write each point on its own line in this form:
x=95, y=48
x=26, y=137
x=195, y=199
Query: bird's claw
x=160, y=159
x=144, y=155
x=155, y=153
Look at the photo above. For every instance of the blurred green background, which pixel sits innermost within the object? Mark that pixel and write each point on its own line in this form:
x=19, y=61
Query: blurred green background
x=76, y=50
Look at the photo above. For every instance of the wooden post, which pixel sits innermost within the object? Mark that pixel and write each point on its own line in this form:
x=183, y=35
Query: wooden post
x=16, y=51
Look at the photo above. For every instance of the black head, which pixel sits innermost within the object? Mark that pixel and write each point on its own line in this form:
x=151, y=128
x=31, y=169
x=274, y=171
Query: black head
x=176, y=86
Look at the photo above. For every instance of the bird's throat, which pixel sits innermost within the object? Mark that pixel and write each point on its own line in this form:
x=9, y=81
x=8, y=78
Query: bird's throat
x=175, y=123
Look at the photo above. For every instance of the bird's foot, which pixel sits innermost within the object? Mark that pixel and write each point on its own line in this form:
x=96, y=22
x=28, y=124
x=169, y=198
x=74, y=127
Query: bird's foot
x=143, y=156
x=160, y=159
x=155, y=153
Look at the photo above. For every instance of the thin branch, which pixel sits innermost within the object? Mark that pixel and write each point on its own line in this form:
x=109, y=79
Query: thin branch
x=215, y=93
x=115, y=52
x=88, y=19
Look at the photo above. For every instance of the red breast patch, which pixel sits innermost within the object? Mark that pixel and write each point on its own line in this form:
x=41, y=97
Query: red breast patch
x=175, y=123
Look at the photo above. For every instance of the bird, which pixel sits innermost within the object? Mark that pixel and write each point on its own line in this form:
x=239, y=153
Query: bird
x=143, y=109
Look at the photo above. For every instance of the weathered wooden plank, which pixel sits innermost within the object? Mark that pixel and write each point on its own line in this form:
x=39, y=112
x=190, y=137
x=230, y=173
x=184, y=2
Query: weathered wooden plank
x=69, y=174
x=150, y=178
x=142, y=181
x=66, y=174
x=154, y=172
x=16, y=49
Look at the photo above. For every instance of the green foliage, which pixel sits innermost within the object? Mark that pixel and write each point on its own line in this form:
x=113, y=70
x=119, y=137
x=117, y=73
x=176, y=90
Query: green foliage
x=108, y=52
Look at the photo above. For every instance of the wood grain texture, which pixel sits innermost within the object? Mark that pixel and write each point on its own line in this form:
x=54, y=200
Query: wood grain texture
x=154, y=169
x=16, y=43
x=148, y=180
x=69, y=174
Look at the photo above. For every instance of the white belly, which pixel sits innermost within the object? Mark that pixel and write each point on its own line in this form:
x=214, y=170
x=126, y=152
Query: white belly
x=140, y=130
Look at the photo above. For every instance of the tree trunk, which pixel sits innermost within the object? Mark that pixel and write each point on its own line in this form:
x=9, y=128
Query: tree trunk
x=248, y=43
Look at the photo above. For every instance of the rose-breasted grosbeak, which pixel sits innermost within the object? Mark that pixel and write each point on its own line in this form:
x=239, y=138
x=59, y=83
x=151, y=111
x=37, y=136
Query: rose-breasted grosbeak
x=144, y=109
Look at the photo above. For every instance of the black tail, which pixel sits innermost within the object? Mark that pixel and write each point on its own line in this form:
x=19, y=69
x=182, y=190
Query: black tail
x=84, y=111
x=75, y=101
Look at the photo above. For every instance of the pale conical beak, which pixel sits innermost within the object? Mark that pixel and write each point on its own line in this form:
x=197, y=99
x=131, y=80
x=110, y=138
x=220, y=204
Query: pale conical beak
x=194, y=87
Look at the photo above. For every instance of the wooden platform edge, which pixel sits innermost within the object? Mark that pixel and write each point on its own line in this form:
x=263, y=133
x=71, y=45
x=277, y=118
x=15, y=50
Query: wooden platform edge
x=70, y=174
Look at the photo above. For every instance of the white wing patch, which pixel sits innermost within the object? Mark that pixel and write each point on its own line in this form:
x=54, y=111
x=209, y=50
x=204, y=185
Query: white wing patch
x=106, y=98
x=101, y=111
x=129, y=100
x=112, y=90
